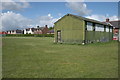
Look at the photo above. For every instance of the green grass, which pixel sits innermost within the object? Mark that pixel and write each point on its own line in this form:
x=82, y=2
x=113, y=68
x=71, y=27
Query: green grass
x=35, y=57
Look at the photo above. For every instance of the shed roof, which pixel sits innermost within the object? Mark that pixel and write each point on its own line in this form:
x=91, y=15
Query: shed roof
x=85, y=19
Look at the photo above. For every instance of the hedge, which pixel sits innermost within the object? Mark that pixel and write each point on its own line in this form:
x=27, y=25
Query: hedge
x=29, y=35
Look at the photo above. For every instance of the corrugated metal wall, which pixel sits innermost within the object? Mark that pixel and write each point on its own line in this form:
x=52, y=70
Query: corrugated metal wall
x=97, y=36
x=72, y=30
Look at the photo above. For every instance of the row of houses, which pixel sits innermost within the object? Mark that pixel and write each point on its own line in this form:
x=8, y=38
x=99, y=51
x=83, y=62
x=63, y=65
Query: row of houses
x=38, y=30
x=76, y=29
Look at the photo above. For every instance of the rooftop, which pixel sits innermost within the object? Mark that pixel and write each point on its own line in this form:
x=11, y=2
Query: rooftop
x=85, y=19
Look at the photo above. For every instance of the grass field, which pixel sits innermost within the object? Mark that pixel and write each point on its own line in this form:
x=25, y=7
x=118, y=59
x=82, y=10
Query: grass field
x=41, y=58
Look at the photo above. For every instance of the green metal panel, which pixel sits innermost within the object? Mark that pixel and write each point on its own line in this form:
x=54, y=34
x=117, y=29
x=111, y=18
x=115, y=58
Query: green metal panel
x=72, y=30
x=97, y=36
x=89, y=35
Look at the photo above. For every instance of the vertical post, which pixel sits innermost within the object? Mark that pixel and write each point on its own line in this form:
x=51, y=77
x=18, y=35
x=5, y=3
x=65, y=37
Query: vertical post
x=85, y=32
x=94, y=31
x=105, y=33
x=112, y=33
x=104, y=28
x=109, y=33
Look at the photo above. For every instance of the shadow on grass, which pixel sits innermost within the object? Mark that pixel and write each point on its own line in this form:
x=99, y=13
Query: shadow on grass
x=88, y=44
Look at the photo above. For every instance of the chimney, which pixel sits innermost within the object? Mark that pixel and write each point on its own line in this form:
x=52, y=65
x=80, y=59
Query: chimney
x=107, y=20
x=37, y=26
x=46, y=26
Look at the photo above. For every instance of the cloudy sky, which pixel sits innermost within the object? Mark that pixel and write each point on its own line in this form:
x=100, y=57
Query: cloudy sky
x=19, y=15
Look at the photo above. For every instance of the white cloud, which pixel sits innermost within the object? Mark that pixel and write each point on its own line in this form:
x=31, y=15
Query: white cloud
x=102, y=17
x=11, y=21
x=49, y=15
x=12, y=5
x=112, y=18
x=79, y=7
x=45, y=20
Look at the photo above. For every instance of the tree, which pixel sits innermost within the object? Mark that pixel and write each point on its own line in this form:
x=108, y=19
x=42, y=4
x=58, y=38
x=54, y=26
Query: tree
x=50, y=28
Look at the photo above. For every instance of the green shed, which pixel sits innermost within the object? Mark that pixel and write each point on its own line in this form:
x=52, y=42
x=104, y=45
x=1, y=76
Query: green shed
x=76, y=29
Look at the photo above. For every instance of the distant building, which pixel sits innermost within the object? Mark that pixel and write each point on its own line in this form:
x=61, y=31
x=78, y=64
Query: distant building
x=38, y=30
x=116, y=28
x=50, y=31
x=14, y=32
x=3, y=32
x=9, y=32
x=28, y=31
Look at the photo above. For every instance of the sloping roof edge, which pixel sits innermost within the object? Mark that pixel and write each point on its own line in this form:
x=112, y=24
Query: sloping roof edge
x=85, y=19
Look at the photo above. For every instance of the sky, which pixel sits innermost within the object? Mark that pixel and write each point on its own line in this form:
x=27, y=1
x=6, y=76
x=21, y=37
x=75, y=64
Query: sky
x=16, y=15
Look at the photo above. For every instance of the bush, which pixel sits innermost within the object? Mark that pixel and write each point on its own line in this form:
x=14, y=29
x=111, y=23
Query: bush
x=29, y=35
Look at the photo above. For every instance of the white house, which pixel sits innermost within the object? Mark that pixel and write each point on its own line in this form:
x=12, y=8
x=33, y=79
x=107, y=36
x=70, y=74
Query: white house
x=38, y=30
x=9, y=32
x=14, y=32
x=28, y=31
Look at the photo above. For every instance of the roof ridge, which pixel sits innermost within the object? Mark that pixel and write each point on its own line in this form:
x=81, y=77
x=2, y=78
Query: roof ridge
x=87, y=19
